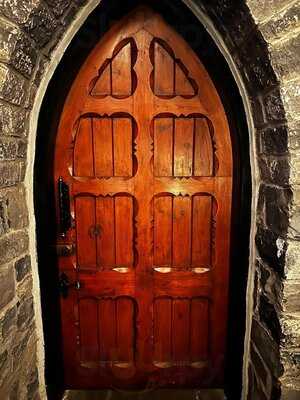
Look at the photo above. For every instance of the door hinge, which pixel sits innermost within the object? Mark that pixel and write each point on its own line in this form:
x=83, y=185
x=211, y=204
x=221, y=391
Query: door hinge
x=64, y=207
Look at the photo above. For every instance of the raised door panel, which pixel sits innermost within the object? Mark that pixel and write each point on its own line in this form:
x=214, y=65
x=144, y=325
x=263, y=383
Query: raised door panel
x=103, y=147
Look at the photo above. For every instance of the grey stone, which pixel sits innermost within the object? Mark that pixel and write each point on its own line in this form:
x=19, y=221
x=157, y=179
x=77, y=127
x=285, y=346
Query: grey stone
x=11, y=172
x=22, y=267
x=13, y=245
x=274, y=205
x=286, y=58
x=18, y=11
x=256, y=64
x=13, y=120
x=260, y=368
x=17, y=214
x=274, y=170
x=273, y=141
x=4, y=224
x=7, y=285
x=17, y=49
x=290, y=93
x=257, y=112
x=267, y=347
x=25, y=312
x=282, y=23
x=8, y=322
x=41, y=25
x=274, y=107
x=269, y=317
x=267, y=245
x=3, y=359
x=263, y=9
x=58, y=7
x=8, y=148
x=13, y=87
x=32, y=387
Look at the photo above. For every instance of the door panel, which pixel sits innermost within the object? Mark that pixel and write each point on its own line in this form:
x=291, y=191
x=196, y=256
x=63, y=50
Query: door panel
x=144, y=148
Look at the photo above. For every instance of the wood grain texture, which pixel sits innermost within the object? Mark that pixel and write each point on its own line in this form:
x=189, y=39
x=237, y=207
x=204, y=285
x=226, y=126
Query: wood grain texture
x=148, y=160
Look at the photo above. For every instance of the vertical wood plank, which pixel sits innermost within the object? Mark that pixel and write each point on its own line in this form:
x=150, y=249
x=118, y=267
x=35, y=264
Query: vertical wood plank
x=163, y=331
x=122, y=131
x=106, y=238
x=163, y=72
x=86, y=243
x=181, y=331
x=182, y=231
x=124, y=230
x=125, y=330
x=83, y=149
x=107, y=331
x=202, y=222
x=183, y=86
x=199, y=330
x=121, y=79
x=103, y=148
x=88, y=317
x=183, y=146
x=203, y=153
x=102, y=85
x=163, y=147
x=163, y=231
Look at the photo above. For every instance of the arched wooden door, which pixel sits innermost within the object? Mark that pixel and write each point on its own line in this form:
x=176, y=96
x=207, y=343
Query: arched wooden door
x=144, y=154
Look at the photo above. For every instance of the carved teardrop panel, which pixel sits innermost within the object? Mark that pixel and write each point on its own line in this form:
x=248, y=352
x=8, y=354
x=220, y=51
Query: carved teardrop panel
x=116, y=76
x=170, y=77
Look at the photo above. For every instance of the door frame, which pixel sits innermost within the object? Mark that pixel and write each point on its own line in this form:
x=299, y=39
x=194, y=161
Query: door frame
x=45, y=91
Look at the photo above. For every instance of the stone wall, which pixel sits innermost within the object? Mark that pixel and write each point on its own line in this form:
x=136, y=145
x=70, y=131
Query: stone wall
x=262, y=36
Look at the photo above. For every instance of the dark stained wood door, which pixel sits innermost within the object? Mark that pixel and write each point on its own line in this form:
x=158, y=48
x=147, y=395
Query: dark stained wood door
x=144, y=147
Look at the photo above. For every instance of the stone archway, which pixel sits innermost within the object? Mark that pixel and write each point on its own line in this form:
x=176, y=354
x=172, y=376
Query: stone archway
x=259, y=40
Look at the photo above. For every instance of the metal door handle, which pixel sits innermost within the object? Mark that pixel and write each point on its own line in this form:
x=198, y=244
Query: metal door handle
x=65, y=285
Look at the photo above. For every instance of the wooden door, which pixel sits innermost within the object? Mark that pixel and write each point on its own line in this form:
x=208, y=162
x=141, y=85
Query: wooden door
x=144, y=149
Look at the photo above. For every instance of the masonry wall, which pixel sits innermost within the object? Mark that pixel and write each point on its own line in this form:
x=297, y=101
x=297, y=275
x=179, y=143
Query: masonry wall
x=263, y=38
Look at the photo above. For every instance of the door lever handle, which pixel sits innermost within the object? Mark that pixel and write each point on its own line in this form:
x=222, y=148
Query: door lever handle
x=65, y=285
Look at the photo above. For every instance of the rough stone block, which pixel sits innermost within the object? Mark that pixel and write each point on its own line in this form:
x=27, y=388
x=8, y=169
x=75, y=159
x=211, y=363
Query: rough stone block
x=276, y=207
x=286, y=58
x=11, y=173
x=274, y=170
x=58, y=7
x=17, y=49
x=273, y=106
x=261, y=370
x=13, y=87
x=13, y=245
x=256, y=64
x=291, y=296
x=8, y=322
x=7, y=285
x=16, y=206
x=272, y=249
x=8, y=148
x=41, y=25
x=25, y=313
x=264, y=9
x=282, y=23
x=292, y=261
x=269, y=317
x=18, y=10
x=22, y=267
x=273, y=141
x=267, y=347
x=290, y=93
x=13, y=120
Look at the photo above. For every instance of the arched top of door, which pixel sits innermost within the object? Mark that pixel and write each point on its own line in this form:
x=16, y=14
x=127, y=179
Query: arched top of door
x=176, y=80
